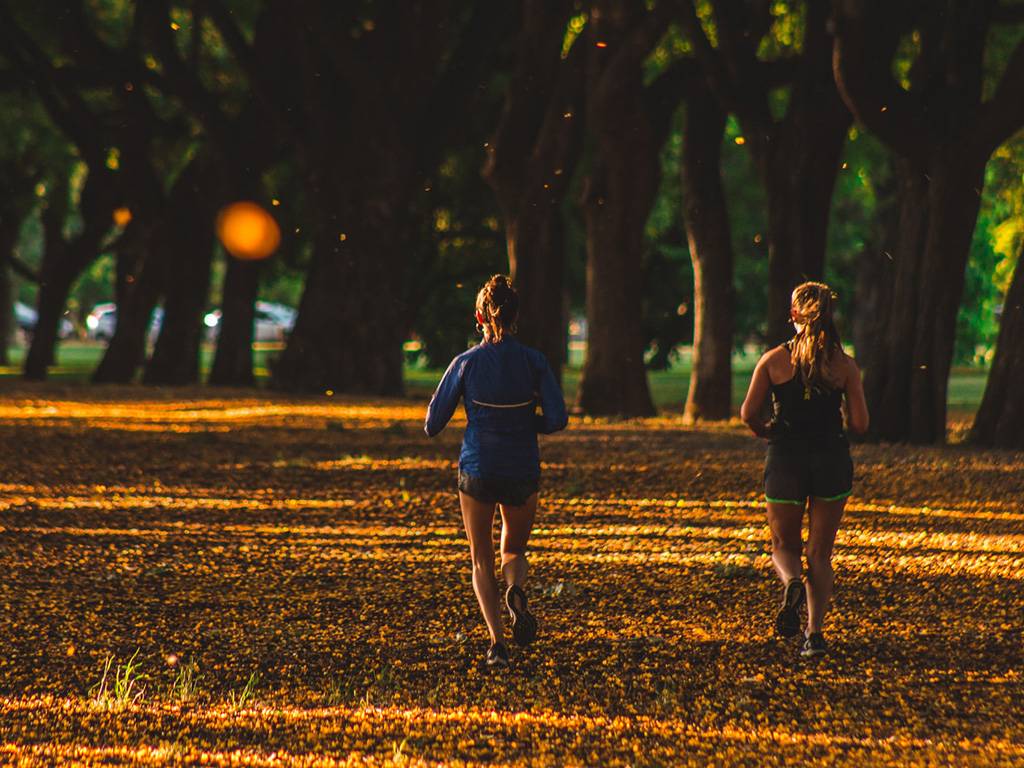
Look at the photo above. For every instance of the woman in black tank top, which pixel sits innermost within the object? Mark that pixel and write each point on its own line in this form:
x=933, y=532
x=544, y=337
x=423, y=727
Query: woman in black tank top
x=808, y=466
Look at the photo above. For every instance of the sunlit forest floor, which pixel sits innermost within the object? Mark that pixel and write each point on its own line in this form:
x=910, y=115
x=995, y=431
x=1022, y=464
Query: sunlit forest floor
x=292, y=581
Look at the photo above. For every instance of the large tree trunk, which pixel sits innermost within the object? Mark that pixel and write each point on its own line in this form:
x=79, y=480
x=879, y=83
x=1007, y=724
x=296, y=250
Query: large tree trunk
x=57, y=274
x=349, y=332
x=876, y=270
x=14, y=208
x=185, y=251
x=6, y=310
x=8, y=238
x=1000, y=419
x=137, y=292
x=352, y=318
x=886, y=360
x=614, y=380
x=232, y=364
x=954, y=199
x=530, y=162
x=707, y=229
x=799, y=177
x=53, y=297
x=906, y=382
x=617, y=201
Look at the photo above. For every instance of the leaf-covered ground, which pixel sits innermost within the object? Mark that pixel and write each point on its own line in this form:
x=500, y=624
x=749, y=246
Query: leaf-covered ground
x=316, y=543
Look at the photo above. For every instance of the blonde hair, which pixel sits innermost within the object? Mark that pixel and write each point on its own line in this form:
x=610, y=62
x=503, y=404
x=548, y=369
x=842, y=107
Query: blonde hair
x=814, y=348
x=498, y=305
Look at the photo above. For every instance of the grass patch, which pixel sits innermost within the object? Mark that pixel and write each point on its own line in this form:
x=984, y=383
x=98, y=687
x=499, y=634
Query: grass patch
x=120, y=685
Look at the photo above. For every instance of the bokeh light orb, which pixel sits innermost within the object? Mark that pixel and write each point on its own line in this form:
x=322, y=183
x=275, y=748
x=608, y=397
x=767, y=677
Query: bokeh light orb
x=247, y=231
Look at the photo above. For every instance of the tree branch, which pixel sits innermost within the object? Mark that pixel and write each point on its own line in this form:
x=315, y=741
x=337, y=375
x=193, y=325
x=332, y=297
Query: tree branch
x=155, y=19
x=458, y=84
x=23, y=269
x=533, y=79
x=74, y=118
x=1003, y=114
x=861, y=57
x=1008, y=13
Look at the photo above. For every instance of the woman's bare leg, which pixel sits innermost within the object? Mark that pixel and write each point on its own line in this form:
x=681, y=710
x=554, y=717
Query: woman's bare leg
x=478, y=518
x=785, y=522
x=516, y=526
x=824, y=518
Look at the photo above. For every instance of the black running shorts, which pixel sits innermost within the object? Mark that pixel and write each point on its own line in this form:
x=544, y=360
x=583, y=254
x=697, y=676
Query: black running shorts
x=511, y=491
x=798, y=471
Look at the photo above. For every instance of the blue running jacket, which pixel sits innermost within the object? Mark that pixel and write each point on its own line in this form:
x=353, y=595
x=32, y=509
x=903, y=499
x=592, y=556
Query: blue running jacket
x=501, y=385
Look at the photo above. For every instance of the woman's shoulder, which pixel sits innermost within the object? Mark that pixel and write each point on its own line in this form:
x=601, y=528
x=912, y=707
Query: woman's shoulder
x=845, y=366
x=776, y=360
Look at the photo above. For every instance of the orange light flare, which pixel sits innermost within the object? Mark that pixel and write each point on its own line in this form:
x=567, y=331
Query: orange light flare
x=247, y=231
x=122, y=217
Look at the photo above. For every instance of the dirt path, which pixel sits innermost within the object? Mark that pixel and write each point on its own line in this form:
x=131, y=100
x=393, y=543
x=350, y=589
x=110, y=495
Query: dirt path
x=316, y=543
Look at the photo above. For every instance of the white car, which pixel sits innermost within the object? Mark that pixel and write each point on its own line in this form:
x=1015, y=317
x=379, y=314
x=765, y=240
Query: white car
x=26, y=318
x=273, y=322
x=102, y=322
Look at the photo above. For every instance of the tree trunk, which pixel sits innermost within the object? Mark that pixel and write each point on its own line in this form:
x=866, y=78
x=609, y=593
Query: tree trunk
x=56, y=276
x=906, y=384
x=614, y=380
x=349, y=332
x=232, y=364
x=184, y=249
x=8, y=238
x=53, y=297
x=876, y=270
x=352, y=319
x=536, y=254
x=708, y=233
x=137, y=293
x=886, y=361
x=530, y=163
x=175, y=359
x=617, y=201
x=1000, y=420
x=799, y=175
x=954, y=199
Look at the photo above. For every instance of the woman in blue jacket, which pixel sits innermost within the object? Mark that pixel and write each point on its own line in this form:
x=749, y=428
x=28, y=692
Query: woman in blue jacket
x=501, y=382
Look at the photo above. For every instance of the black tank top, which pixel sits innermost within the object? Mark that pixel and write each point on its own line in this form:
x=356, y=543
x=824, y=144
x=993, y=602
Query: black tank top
x=803, y=414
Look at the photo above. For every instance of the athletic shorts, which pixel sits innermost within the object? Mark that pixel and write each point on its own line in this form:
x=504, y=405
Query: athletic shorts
x=795, y=472
x=511, y=491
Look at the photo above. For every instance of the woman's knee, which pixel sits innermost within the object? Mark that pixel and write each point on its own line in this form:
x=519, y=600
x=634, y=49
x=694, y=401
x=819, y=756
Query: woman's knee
x=819, y=560
x=786, y=545
x=482, y=558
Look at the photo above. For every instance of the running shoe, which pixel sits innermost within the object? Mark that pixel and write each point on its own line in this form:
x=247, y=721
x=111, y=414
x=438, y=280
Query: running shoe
x=787, y=623
x=524, y=625
x=814, y=646
x=497, y=655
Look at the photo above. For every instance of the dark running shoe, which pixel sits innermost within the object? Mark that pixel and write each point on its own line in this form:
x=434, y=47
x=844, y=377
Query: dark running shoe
x=787, y=623
x=524, y=625
x=814, y=646
x=497, y=655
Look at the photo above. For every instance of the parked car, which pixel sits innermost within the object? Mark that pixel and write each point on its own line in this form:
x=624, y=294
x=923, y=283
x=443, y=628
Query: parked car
x=26, y=318
x=102, y=322
x=273, y=322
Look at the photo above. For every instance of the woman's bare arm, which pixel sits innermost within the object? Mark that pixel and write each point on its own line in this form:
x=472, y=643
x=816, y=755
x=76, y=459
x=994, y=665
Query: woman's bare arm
x=856, y=405
x=750, y=411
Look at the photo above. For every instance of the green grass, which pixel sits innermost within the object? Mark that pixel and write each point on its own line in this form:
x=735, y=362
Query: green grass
x=77, y=359
x=121, y=690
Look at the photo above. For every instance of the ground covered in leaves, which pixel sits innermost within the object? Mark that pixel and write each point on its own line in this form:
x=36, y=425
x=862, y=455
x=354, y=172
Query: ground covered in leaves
x=285, y=582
